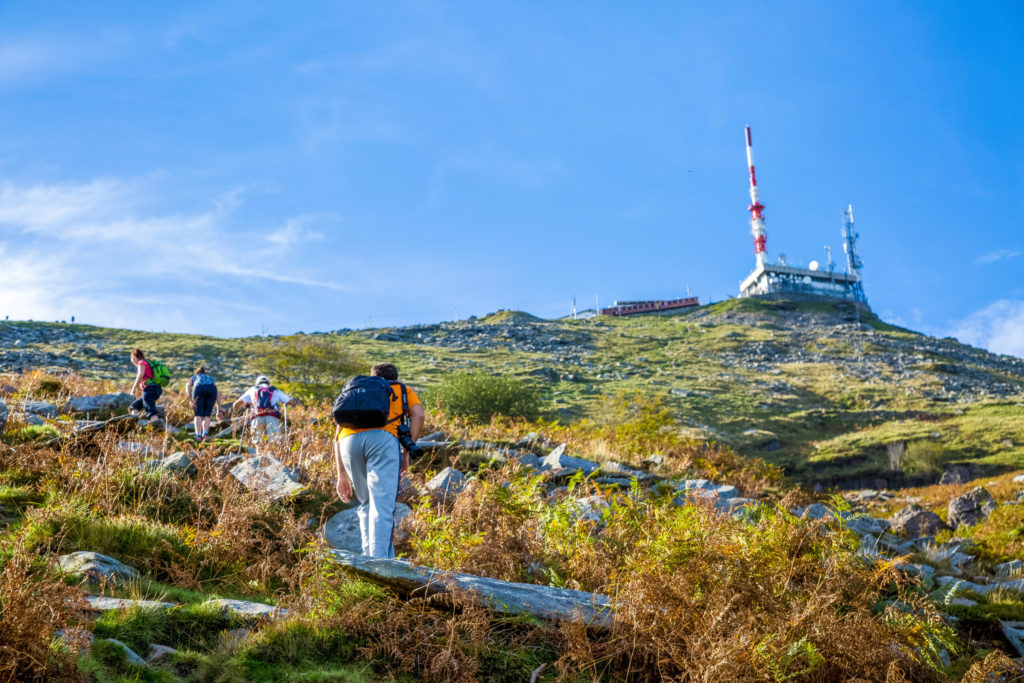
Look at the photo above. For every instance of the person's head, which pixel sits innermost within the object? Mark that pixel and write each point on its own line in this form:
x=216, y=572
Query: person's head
x=137, y=355
x=201, y=370
x=262, y=379
x=386, y=370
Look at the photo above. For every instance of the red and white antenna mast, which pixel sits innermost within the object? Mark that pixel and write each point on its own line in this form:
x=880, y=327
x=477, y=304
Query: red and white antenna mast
x=756, y=207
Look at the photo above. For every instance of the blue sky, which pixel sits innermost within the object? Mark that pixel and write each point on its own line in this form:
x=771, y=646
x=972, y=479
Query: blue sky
x=234, y=168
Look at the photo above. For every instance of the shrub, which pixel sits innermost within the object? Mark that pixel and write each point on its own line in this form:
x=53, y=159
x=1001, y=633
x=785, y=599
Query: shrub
x=925, y=459
x=478, y=396
x=311, y=368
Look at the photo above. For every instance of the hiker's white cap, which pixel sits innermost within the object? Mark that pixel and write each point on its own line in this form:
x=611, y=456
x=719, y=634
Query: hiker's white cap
x=262, y=379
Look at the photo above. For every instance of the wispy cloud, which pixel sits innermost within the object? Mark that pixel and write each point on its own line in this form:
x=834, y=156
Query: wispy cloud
x=998, y=255
x=999, y=327
x=100, y=249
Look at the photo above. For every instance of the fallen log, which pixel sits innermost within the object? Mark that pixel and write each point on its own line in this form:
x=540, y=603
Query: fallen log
x=503, y=597
x=60, y=441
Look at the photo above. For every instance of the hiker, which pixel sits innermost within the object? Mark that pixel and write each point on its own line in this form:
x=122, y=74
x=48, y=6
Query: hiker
x=203, y=397
x=371, y=461
x=264, y=402
x=149, y=384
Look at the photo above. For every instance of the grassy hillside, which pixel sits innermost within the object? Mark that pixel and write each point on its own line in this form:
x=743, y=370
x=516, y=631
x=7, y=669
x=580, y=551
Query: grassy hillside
x=815, y=388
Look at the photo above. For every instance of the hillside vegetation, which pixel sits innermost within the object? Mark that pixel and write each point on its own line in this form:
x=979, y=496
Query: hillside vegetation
x=817, y=389
x=658, y=480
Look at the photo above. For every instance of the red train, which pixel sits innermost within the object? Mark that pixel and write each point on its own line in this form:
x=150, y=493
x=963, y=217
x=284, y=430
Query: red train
x=638, y=307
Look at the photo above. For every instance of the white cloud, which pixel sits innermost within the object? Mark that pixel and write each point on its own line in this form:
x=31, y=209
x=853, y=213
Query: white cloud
x=100, y=251
x=295, y=231
x=998, y=255
x=999, y=327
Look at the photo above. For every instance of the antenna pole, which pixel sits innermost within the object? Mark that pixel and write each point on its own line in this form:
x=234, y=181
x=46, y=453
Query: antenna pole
x=756, y=207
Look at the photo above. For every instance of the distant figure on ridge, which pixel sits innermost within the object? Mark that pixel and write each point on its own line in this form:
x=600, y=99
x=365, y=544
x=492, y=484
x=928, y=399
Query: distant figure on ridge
x=151, y=377
x=203, y=397
x=371, y=414
x=263, y=403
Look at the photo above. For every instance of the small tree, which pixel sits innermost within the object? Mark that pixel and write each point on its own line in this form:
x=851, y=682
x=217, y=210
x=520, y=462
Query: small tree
x=896, y=451
x=310, y=367
x=478, y=396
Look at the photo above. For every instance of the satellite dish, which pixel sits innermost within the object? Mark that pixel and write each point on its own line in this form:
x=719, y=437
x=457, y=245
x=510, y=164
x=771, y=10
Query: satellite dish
x=813, y=265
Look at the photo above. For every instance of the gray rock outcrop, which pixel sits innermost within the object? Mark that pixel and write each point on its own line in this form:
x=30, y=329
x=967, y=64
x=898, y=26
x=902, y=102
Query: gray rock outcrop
x=342, y=530
x=446, y=484
x=177, y=463
x=158, y=653
x=970, y=508
x=104, y=403
x=130, y=655
x=267, y=474
x=957, y=474
x=914, y=521
x=96, y=567
x=558, y=462
x=3, y=416
x=245, y=608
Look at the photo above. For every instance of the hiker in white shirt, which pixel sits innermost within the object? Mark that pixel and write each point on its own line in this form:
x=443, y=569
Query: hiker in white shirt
x=263, y=404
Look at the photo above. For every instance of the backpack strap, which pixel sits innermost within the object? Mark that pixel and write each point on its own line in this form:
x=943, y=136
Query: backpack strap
x=405, y=402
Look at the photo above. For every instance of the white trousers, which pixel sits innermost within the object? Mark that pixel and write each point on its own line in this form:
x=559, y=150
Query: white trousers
x=373, y=461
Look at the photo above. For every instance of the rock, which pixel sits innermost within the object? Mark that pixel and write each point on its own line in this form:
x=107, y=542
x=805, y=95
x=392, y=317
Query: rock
x=962, y=585
x=1019, y=479
x=32, y=420
x=96, y=567
x=227, y=460
x=3, y=416
x=914, y=521
x=866, y=524
x=102, y=603
x=244, y=608
x=178, y=463
x=817, y=511
x=654, y=461
x=17, y=343
x=430, y=446
x=558, y=461
x=955, y=475
x=1014, y=632
x=617, y=469
x=526, y=459
x=136, y=448
x=962, y=602
x=502, y=597
x=589, y=508
x=446, y=484
x=1006, y=570
x=158, y=653
x=267, y=474
x=40, y=408
x=970, y=508
x=78, y=639
x=920, y=571
x=105, y=403
x=129, y=654
x=433, y=436
x=1008, y=443
x=342, y=530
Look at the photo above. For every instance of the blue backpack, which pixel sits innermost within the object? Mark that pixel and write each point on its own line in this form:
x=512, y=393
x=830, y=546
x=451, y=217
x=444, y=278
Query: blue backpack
x=364, y=403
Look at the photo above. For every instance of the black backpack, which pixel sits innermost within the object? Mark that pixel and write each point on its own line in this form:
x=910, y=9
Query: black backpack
x=364, y=403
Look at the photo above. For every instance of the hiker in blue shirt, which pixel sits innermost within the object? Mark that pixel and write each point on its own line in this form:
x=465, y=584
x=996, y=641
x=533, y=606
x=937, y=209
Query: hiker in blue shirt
x=204, y=398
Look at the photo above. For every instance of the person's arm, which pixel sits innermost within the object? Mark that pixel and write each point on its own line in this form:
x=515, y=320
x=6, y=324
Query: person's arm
x=138, y=380
x=417, y=417
x=216, y=403
x=238, y=404
x=188, y=392
x=344, y=484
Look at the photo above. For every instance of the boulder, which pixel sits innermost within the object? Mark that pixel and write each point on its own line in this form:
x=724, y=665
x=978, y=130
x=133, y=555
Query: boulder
x=1006, y=570
x=342, y=530
x=816, y=511
x=589, y=508
x=267, y=474
x=130, y=655
x=970, y=508
x=866, y=524
x=1019, y=479
x=3, y=416
x=502, y=597
x=136, y=448
x=158, y=653
x=177, y=463
x=617, y=469
x=105, y=403
x=1014, y=632
x=955, y=475
x=526, y=459
x=244, y=608
x=40, y=408
x=558, y=462
x=915, y=521
x=96, y=567
x=32, y=419
x=446, y=484
x=102, y=603
x=919, y=571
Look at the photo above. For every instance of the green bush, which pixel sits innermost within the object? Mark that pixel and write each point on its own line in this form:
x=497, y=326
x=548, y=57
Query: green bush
x=310, y=368
x=478, y=396
x=925, y=459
